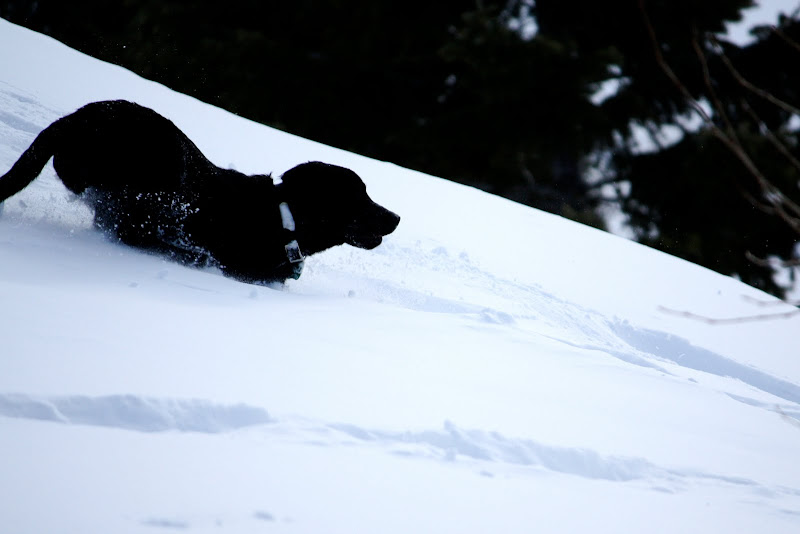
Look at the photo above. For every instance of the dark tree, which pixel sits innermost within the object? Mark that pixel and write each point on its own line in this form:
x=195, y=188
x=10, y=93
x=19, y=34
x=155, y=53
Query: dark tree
x=726, y=196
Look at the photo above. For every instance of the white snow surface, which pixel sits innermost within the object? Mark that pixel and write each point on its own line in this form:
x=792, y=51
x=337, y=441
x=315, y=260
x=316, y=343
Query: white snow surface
x=489, y=368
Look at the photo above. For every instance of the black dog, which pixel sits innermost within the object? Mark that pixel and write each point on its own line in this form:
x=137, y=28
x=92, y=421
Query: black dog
x=152, y=188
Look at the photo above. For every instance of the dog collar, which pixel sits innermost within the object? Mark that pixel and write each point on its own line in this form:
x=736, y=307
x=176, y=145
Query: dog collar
x=293, y=252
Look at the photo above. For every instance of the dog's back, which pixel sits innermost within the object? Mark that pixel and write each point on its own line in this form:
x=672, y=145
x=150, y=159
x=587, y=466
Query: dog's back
x=110, y=146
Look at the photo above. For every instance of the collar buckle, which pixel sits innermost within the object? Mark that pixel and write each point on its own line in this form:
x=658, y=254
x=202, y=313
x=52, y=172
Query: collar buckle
x=293, y=253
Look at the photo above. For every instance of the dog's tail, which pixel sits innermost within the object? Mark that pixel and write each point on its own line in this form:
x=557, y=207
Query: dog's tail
x=31, y=162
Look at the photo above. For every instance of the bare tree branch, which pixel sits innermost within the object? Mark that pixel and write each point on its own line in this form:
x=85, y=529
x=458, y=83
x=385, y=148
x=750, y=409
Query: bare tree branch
x=777, y=143
x=788, y=40
x=773, y=200
x=783, y=207
x=786, y=417
x=764, y=262
x=766, y=95
x=780, y=146
x=768, y=303
x=731, y=320
x=716, y=102
x=662, y=63
x=744, y=319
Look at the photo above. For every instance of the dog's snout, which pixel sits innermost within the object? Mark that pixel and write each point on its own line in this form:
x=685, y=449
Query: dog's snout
x=392, y=220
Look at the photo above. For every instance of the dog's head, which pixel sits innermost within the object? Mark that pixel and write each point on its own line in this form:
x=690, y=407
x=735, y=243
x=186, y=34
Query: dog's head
x=330, y=207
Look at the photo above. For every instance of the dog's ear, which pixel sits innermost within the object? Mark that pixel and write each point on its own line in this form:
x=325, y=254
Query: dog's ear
x=305, y=172
x=317, y=173
x=321, y=184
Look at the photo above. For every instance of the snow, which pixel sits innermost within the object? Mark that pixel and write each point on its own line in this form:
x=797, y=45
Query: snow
x=764, y=12
x=489, y=368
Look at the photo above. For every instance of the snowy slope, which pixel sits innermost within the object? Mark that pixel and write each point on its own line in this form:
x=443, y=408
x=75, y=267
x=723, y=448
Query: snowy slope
x=489, y=368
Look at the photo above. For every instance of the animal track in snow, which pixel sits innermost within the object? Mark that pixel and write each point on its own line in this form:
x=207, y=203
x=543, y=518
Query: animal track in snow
x=132, y=412
x=451, y=442
x=448, y=444
x=678, y=350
